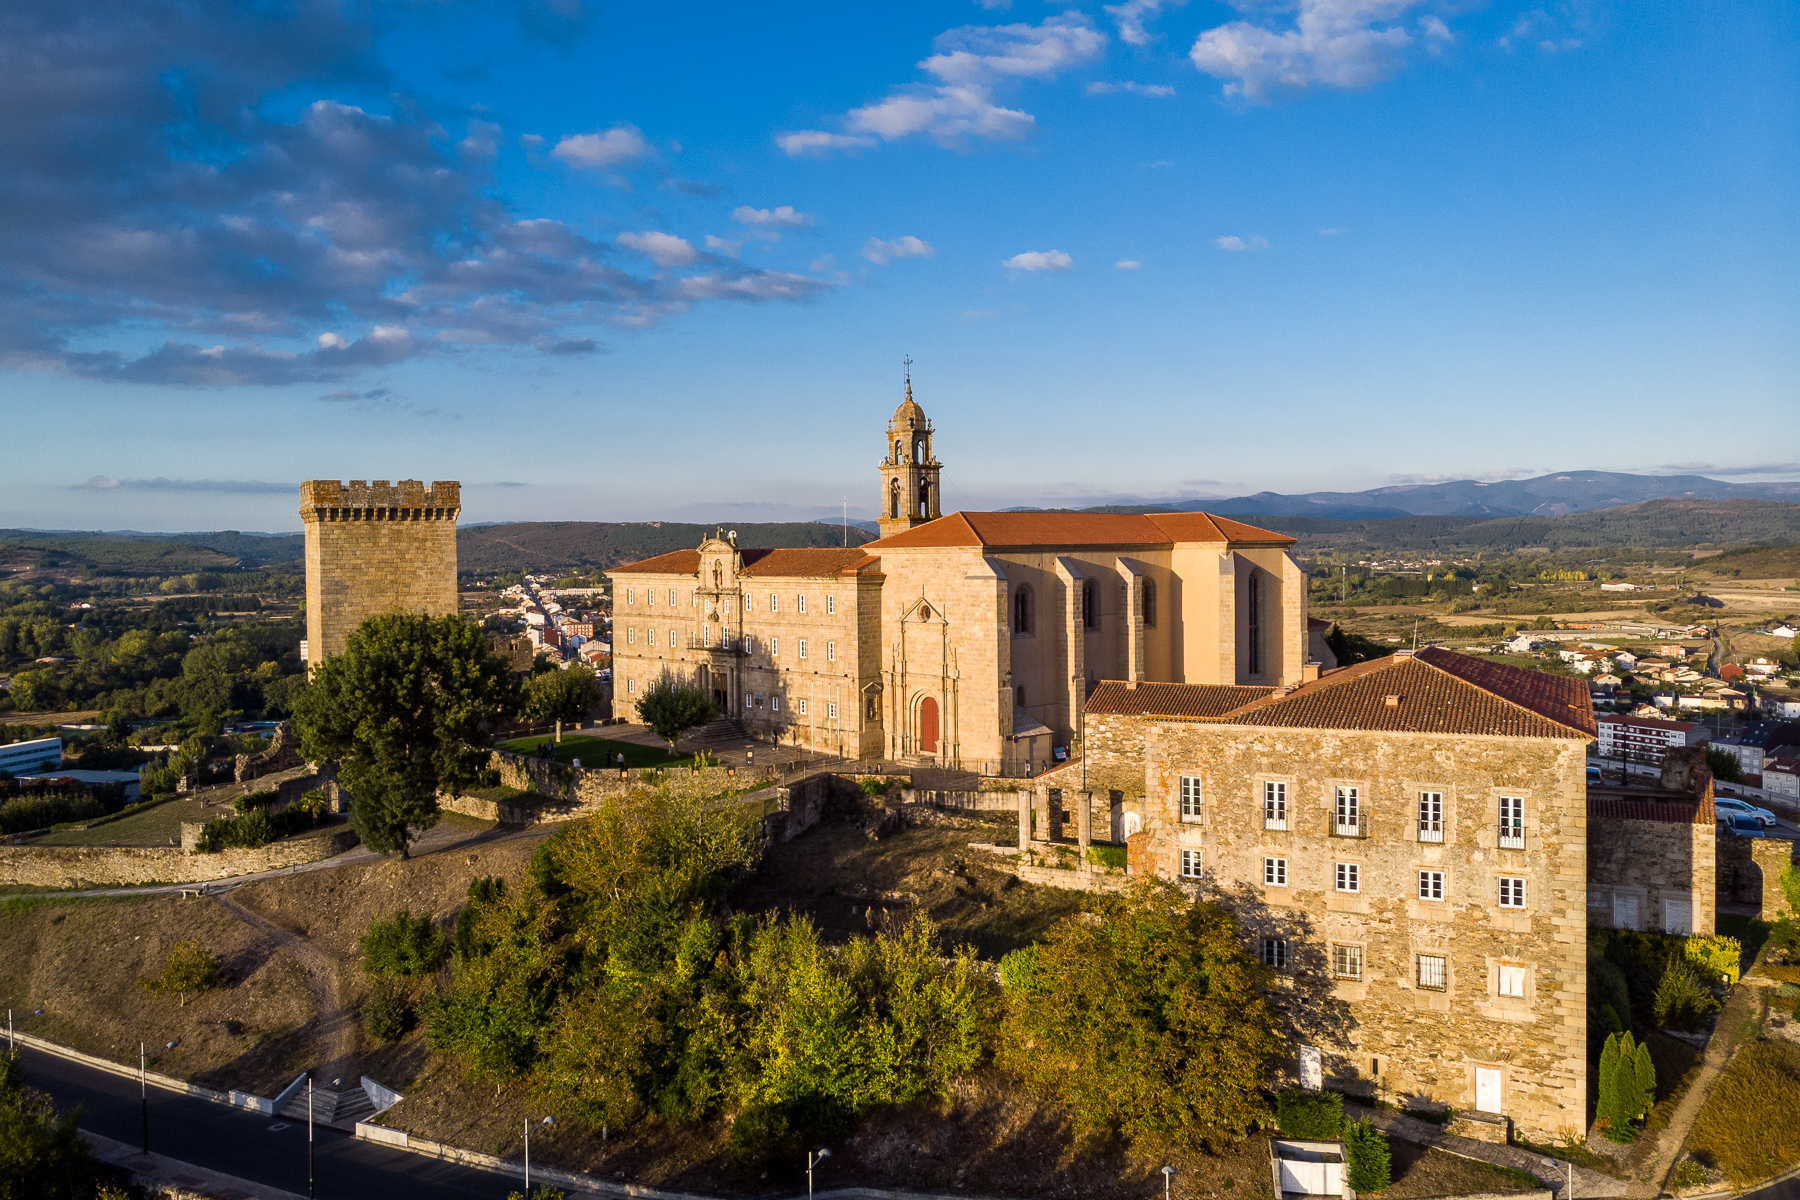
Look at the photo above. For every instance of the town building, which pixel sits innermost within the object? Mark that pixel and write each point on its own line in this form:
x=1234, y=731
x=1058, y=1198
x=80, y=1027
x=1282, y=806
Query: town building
x=39, y=754
x=1646, y=740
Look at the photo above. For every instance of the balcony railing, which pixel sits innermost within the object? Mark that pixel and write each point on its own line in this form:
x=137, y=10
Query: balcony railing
x=1353, y=829
x=1275, y=823
x=1431, y=833
x=1512, y=839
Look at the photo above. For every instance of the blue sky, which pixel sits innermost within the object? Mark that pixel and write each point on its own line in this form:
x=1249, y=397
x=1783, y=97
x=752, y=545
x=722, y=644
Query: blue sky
x=611, y=263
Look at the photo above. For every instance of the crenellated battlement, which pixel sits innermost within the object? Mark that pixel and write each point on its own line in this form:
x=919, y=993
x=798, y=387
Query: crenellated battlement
x=360, y=500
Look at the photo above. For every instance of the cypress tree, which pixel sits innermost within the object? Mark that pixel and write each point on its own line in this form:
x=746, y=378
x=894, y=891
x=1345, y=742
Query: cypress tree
x=1645, y=1071
x=1623, y=1094
x=1609, y=1065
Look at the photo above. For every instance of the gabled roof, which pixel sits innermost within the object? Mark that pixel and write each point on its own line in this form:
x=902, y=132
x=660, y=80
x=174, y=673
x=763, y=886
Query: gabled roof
x=812, y=562
x=1171, y=699
x=1002, y=530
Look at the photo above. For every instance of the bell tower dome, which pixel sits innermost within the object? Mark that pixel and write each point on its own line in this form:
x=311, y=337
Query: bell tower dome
x=909, y=470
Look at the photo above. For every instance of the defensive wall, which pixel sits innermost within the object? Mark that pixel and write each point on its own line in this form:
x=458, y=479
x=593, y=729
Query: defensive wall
x=122, y=866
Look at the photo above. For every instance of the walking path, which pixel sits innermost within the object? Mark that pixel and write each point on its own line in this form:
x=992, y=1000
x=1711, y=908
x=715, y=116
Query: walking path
x=1588, y=1183
x=333, y=1025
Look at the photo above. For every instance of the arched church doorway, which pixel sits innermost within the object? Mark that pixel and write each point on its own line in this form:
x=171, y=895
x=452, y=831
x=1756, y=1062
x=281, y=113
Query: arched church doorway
x=928, y=726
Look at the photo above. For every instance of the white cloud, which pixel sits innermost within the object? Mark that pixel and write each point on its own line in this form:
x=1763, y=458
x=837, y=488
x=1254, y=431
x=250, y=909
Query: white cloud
x=772, y=218
x=1334, y=43
x=620, y=146
x=1040, y=260
x=719, y=245
x=1236, y=244
x=817, y=141
x=1137, y=89
x=663, y=249
x=988, y=53
x=880, y=252
x=947, y=114
x=762, y=285
x=995, y=5
x=1128, y=264
x=822, y=263
x=1134, y=14
x=482, y=140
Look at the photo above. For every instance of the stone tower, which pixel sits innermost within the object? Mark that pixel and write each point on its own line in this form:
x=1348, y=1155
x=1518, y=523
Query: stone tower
x=374, y=548
x=909, y=471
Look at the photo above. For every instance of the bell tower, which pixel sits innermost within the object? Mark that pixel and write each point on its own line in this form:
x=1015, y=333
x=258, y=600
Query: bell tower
x=909, y=470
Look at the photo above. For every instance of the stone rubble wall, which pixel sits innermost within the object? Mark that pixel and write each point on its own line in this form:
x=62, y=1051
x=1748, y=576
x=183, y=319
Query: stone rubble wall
x=118, y=866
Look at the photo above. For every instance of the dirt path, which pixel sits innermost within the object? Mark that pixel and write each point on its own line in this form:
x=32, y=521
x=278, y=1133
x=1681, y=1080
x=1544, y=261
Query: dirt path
x=335, y=1026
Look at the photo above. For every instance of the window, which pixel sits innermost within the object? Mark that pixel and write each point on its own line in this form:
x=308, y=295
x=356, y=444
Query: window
x=831, y=711
x=774, y=647
x=800, y=707
x=775, y=703
x=1431, y=972
x=1349, y=877
x=830, y=651
x=1512, y=822
x=747, y=602
x=774, y=602
x=830, y=605
x=651, y=634
x=631, y=685
x=1431, y=816
x=631, y=595
x=1346, y=961
x=759, y=699
x=671, y=597
x=650, y=596
x=800, y=602
x=871, y=711
x=1018, y=697
x=1349, y=812
x=1147, y=604
x=1090, y=604
x=1274, y=806
x=1512, y=981
x=1021, y=611
x=1190, y=864
x=1253, y=626
x=1275, y=872
x=1512, y=891
x=631, y=637
x=802, y=647
x=1431, y=885
x=1274, y=952
x=1190, y=798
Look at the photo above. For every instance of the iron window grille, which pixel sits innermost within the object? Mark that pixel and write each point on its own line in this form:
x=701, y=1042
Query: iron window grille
x=1275, y=952
x=1190, y=864
x=1275, y=806
x=1348, y=822
x=1512, y=891
x=1432, y=972
x=1431, y=816
x=1349, y=877
x=1431, y=885
x=1275, y=872
x=1190, y=798
x=1346, y=961
x=1512, y=822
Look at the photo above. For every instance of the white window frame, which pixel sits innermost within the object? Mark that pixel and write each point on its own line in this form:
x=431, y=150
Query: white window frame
x=672, y=641
x=631, y=685
x=800, y=602
x=802, y=647
x=800, y=706
x=650, y=597
x=1431, y=886
x=1431, y=972
x=830, y=651
x=631, y=635
x=1346, y=961
x=1431, y=816
x=774, y=647
x=1190, y=864
x=774, y=703
x=831, y=710
x=1512, y=822
x=1189, y=788
x=747, y=602
x=1275, y=804
x=1348, y=877
x=830, y=605
x=1275, y=953
x=1275, y=873
x=1347, y=818
x=650, y=635
x=631, y=595
x=671, y=597
x=774, y=602
x=1512, y=891
x=1509, y=981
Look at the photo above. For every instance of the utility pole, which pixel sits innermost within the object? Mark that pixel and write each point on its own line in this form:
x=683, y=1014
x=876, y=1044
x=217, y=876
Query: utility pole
x=144, y=1096
x=309, y=1139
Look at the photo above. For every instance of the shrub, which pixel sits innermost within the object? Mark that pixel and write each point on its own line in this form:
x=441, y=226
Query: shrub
x=1018, y=970
x=385, y=1012
x=191, y=968
x=254, y=801
x=1303, y=1114
x=47, y=808
x=1607, y=992
x=1718, y=958
x=1790, y=887
x=41, y=1153
x=405, y=946
x=542, y=1191
x=1784, y=935
x=1682, y=1000
x=485, y=889
x=1747, y=1126
x=762, y=1135
x=1688, y=1174
x=1368, y=1166
x=873, y=788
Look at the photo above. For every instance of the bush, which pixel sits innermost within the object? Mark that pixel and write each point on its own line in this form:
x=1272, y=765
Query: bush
x=873, y=788
x=1609, y=1000
x=254, y=802
x=1018, y=970
x=1368, y=1166
x=405, y=946
x=1790, y=887
x=1314, y=1115
x=39, y=811
x=542, y=1191
x=1688, y=1174
x=41, y=1154
x=1716, y=958
x=1682, y=1000
x=485, y=889
x=191, y=968
x=252, y=831
x=385, y=1012
x=1747, y=1126
x=761, y=1136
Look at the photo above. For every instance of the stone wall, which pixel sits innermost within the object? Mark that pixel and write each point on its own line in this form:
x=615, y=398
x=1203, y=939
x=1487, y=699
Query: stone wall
x=1750, y=873
x=109, y=866
x=1638, y=868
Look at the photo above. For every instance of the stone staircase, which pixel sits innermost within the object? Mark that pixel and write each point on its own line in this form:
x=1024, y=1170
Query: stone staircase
x=721, y=733
x=343, y=1108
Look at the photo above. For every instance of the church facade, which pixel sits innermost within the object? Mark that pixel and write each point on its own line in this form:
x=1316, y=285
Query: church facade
x=969, y=640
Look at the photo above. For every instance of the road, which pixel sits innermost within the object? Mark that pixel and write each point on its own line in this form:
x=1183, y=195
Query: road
x=1787, y=1189
x=265, y=1150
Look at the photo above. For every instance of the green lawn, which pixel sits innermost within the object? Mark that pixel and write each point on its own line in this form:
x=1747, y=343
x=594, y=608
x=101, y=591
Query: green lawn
x=154, y=826
x=597, y=752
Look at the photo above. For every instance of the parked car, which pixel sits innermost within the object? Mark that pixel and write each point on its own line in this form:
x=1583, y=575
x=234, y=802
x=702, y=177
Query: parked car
x=1743, y=826
x=1593, y=774
x=1734, y=807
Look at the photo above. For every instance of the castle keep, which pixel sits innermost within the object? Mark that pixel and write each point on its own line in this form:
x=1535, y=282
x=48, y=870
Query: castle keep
x=374, y=548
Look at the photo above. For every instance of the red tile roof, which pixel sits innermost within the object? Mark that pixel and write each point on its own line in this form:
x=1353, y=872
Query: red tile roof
x=1171, y=699
x=675, y=562
x=812, y=563
x=1668, y=812
x=1035, y=529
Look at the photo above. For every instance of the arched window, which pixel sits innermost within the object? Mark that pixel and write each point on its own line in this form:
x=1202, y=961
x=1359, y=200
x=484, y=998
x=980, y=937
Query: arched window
x=1253, y=621
x=894, y=500
x=1090, y=604
x=918, y=449
x=924, y=499
x=1149, y=603
x=1018, y=697
x=1021, y=614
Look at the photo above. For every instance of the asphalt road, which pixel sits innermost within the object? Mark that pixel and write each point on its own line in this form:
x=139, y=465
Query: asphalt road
x=1787, y=1189
x=265, y=1150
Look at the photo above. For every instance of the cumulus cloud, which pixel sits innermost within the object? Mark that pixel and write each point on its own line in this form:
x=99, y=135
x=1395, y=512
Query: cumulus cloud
x=619, y=147
x=1333, y=43
x=566, y=346
x=719, y=245
x=1236, y=244
x=1133, y=15
x=1102, y=88
x=242, y=487
x=771, y=218
x=968, y=62
x=663, y=249
x=1040, y=260
x=881, y=252
x=1128, y=264
x=481, y=141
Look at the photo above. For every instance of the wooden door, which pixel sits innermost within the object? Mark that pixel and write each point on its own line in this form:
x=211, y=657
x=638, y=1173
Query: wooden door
x=928, y=726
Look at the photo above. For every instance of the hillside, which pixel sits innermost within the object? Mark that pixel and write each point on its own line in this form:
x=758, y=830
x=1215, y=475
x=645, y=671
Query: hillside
x=1544, y=496
x=545, y=546
x=145, y=557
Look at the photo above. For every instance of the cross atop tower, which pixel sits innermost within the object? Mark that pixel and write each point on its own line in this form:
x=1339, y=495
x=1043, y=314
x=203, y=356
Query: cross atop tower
x=909, y=470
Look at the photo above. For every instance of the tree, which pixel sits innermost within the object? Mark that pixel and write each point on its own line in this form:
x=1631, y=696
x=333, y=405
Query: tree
x=1724, y=765
x=1148, y=1016
x=191, y=968
x=565, y=695
x=1369, y=1165
x=672, y=708
x=41, y=1154
x=400, y=710
x=1645, y=1072
x=406, y=945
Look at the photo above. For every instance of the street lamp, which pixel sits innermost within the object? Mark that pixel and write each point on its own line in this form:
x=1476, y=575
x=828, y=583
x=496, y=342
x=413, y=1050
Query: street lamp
x=1168, y=1174
x=813, y=1160
x=528, y=1129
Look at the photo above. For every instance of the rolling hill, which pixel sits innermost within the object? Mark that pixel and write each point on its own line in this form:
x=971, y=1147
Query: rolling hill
x=544, y=546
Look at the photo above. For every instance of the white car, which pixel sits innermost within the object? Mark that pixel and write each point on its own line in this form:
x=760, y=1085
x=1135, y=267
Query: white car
x=1724, y=806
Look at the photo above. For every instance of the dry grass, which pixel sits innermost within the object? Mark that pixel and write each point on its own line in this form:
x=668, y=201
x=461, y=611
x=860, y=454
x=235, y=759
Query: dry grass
x=1418, y=1171
x=1748, y=1127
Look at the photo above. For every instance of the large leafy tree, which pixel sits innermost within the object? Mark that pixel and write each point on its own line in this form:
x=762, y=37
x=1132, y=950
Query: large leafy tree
x=672, y=708
x=400, y=711
x=1147, y=1016
x=41, y=1154
x=565, y=695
